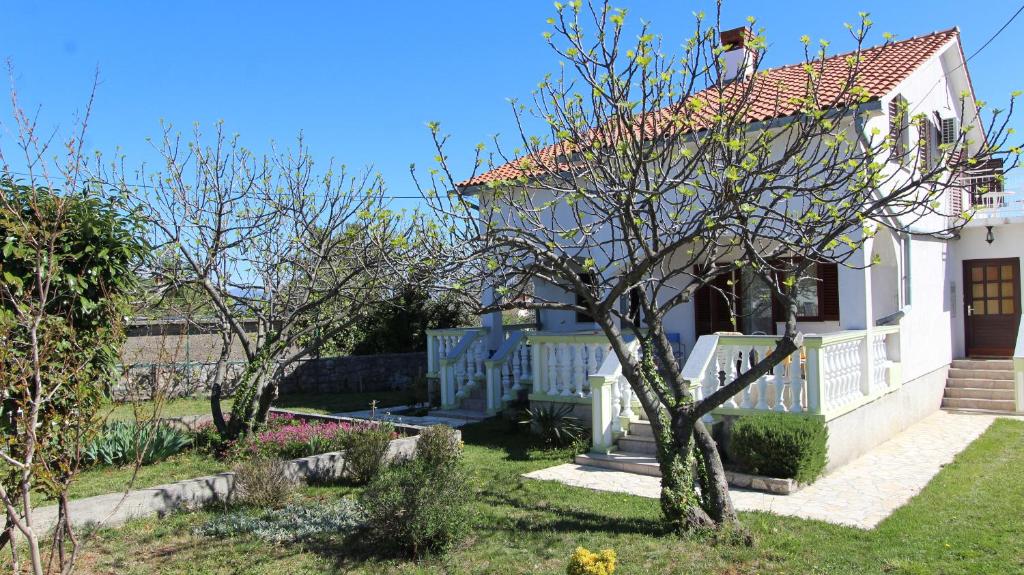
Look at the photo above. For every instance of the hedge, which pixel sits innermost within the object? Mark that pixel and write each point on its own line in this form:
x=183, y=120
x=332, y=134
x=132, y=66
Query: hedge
x=780, y=446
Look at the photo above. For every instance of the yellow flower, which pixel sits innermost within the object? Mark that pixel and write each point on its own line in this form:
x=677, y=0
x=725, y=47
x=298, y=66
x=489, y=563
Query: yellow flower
x=585, y=562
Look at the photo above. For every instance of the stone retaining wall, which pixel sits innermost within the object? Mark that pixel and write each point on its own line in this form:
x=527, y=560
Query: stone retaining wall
x=318, y=375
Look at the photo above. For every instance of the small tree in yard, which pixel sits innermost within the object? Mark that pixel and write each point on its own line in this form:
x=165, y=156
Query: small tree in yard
x=663, y=177
x=271, y=241
x=67, y=261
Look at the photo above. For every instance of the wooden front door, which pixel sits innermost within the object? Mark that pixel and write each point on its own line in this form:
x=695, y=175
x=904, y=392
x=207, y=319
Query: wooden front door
x=991, y=306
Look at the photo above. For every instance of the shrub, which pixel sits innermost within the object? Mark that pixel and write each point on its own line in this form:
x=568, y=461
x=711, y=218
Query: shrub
x=121, y=443
x=263, y=482
x=584, y=562
x=780, y=446
x=288, y=524
x=418, y=508
x=365, y=447
x=555, y=425
x=439, y=446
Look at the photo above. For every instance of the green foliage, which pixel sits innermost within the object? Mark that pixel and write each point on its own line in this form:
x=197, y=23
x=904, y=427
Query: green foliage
x=418, y=508
x=263, y=482
x=122, y=443
x=67, y=261
x=290, y=524
x=365, y=448
x=555, y=425
x=439, y=446
x=780, y=446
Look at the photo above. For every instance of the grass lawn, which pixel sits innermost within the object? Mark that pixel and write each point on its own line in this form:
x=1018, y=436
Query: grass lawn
x=968, y=520
x=321, y=403
x=185, y=465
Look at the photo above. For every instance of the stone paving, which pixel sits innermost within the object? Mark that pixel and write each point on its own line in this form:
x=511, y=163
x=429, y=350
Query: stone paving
x=861, y=493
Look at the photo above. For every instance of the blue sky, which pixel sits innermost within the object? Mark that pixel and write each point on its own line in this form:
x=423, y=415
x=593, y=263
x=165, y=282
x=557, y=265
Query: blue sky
x=361, y=80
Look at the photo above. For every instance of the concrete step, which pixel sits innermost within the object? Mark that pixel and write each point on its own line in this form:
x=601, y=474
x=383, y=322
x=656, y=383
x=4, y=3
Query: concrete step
x=980, y=383
x=978, y=393
x=639, y=463
x=640, y=429
x=958, y=373
x=1001, y=405
x=986, y=364
x=467, y=414
x=637, y=444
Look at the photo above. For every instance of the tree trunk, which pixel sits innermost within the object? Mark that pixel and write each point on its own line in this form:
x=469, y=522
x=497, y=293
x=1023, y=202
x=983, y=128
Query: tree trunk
x=680, y=503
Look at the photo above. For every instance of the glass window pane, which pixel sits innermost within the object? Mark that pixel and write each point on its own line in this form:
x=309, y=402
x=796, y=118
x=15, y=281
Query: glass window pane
x=976, y=274
x=1007, y=289
x=993, y=307
x=1008, y=306
x=807, y=297
x=979, y=307
x=992, y=290
x=991, y=273
x=978, y=291
x=1007, y=272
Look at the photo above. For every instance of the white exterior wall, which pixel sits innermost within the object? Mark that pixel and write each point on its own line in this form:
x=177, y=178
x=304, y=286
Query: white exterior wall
x=1008, y=243
x=926, y=342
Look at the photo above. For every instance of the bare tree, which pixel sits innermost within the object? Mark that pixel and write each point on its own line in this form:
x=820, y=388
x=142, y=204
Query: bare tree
x=268, y=241
x=658, y=173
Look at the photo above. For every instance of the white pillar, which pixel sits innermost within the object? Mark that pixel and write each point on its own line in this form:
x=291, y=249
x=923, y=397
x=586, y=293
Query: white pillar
x=601, y=413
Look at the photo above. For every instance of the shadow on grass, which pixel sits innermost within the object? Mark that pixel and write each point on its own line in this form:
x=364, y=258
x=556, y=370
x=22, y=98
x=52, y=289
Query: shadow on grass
x=498, y=433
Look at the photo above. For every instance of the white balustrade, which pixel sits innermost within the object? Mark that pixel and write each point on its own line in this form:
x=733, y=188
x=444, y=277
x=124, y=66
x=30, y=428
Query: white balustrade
x=566, y=361
x=828, y=374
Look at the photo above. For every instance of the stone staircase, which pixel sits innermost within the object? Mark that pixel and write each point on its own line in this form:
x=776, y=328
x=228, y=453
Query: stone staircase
x=635, y=453
x=980, y=384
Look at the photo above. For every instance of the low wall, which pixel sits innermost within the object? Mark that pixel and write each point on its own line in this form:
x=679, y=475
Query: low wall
x=854, y=434
x=114, y=509
x=318, y=375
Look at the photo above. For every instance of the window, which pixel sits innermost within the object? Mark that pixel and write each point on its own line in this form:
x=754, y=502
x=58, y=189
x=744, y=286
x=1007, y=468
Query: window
x=586, y=278
x=817, y=294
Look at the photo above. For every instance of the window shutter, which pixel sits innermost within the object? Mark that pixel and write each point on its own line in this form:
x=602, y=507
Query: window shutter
x=711, y=310
x=895, y=127
x=948, y=130
x=927, y=143
x=828, y=291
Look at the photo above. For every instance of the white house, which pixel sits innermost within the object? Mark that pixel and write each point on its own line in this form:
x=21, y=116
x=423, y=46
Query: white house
x=933, y=323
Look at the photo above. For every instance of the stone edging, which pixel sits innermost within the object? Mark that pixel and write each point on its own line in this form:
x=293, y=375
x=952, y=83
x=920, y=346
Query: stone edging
x=114, y=509
x=762, y=483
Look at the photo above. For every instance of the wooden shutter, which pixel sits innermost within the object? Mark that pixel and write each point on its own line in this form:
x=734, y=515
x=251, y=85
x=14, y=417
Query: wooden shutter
x=711, y=310
x=895, y=125
x=926, y=135
x=828, y=292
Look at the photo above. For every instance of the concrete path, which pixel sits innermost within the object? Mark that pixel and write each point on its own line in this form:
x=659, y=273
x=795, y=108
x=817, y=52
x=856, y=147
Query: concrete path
x=860, y=494
x=452, y=418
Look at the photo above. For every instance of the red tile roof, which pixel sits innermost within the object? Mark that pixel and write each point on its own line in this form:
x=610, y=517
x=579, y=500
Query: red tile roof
x=776, y=92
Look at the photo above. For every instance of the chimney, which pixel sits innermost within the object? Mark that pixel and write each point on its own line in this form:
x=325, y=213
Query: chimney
x=739, y=59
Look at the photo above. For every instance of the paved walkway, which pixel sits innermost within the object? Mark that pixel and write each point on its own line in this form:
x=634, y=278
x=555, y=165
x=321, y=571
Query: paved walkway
x=861, y=493
x=452, y=418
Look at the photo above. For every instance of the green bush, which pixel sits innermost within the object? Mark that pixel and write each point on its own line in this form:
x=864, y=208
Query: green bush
x=263, y=482
x=780, y=446
x=121, y=443
x=439, y=446
x=416, y=507
x=556, y=425
x=365, y=448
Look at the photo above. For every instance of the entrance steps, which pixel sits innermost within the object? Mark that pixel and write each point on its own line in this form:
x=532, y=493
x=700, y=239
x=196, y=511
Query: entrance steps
x=635, y=453
x=980, y=385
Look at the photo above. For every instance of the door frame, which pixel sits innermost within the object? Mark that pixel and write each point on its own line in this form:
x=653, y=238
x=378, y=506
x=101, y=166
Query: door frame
x=967, y=296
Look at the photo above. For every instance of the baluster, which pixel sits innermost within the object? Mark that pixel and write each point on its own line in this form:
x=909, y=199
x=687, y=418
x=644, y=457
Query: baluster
x=517, y=373
x=796, y=383
x=616, y=390
x=627, y=398
x=744, y=364
x=565, y=369
x=481, y=353
x=579, y=372
x=762, y=382
x=779, y=385
x=524, y=364
x=460, y=372
x=506, y=382
x=552, y=351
